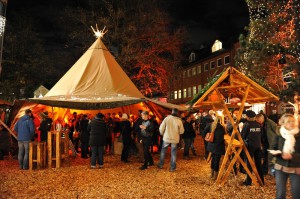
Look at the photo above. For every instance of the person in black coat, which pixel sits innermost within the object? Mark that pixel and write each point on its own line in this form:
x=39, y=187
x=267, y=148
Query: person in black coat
x=45, y=125
x=146, y=139
x=188, y=135
x=126, y=137
x=217, y=147
x=204, y=126
x=5, y=142
x=137, y=135
x=251, y=134
x=98, y=130
x=84, y=136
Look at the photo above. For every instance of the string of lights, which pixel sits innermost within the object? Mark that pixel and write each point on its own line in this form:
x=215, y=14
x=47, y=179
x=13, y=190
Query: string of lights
x=273, y=39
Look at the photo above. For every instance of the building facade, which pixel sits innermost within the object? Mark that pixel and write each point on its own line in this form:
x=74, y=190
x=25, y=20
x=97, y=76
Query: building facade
x=203, y=65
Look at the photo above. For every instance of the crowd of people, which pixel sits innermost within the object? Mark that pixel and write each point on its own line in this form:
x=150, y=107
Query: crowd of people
x=262, y=137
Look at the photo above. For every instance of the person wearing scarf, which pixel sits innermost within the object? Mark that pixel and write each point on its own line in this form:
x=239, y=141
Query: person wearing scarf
x=287, y=140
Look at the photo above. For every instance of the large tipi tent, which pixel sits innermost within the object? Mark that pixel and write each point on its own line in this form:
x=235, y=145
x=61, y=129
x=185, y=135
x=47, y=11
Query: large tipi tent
x=97, y=82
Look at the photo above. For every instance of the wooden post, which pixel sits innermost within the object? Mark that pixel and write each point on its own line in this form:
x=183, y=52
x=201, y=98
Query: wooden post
x=57, y=154
x=49, y=149
x=44, y=154
x=7, y=128
x=58, y=148
x=37, y=154
x=30, y=155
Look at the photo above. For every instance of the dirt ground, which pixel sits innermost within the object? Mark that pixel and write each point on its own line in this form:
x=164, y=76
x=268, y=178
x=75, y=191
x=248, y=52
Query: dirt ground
x=124, y=180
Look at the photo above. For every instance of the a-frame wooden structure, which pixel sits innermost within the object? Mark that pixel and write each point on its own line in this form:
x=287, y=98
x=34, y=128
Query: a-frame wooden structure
x=234, y=84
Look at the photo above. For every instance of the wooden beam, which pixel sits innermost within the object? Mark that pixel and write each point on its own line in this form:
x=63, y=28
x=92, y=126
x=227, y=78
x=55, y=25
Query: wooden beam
x=222, y=78
x=256, y=86
x=229, y=149
x=231, y=87
x=230, y=76
x=260, y=99
x=232, y=162
x=243, y=103
x=8, y=129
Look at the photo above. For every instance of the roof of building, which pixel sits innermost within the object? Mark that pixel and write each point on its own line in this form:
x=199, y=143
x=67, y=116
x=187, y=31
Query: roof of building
x=232, y=83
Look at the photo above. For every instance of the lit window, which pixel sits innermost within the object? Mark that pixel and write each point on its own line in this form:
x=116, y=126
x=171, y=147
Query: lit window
x=175, y=94
x=212, y=65
x=171, y=95
x=226, y=60
x=194, y=90
x=179, y=94
x=206, y=67
x=217, y=46
x=219, y=62
x=183, y=74
x=194, y=72
x=189, y=72
x=199, y=69
x=189, y=91
x=192, y=57
x=184, y=93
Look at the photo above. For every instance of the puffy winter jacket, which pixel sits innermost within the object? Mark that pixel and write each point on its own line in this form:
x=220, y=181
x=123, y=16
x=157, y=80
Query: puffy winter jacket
x=171, y=128
x=25, y=128
x=98, y=130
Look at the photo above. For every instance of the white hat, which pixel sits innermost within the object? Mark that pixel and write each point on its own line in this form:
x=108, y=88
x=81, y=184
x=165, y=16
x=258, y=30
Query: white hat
x=125, y=116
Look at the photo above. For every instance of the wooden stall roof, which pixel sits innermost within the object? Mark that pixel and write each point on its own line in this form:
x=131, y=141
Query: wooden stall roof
x=232, y=83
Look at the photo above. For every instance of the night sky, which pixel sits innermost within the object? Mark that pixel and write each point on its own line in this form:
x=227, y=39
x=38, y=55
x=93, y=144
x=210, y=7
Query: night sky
x=205, y=20
x=210, y=20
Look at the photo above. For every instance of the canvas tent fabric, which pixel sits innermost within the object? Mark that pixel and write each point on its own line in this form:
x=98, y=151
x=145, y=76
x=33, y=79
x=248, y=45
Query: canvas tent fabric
x=95, y=81
x=5, y=103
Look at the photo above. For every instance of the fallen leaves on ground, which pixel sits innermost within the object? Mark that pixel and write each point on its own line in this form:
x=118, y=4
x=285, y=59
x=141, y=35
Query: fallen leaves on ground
x=124, y=180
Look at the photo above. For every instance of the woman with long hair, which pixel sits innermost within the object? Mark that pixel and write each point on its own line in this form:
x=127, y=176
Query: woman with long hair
x=217, y=147
x=287, y=145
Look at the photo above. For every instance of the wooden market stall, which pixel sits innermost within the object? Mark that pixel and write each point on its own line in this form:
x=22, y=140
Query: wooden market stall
x=232, y=84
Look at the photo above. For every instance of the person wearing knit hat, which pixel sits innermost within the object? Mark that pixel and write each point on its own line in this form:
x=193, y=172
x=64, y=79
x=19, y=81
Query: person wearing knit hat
x=251, y=134
x=250, y=114
x=45, y=125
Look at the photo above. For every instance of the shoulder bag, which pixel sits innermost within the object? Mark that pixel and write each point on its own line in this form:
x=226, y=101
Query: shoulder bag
x=209, y=137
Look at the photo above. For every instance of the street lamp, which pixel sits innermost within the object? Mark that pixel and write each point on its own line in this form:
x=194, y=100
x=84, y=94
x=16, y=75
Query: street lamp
x=3, y=4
